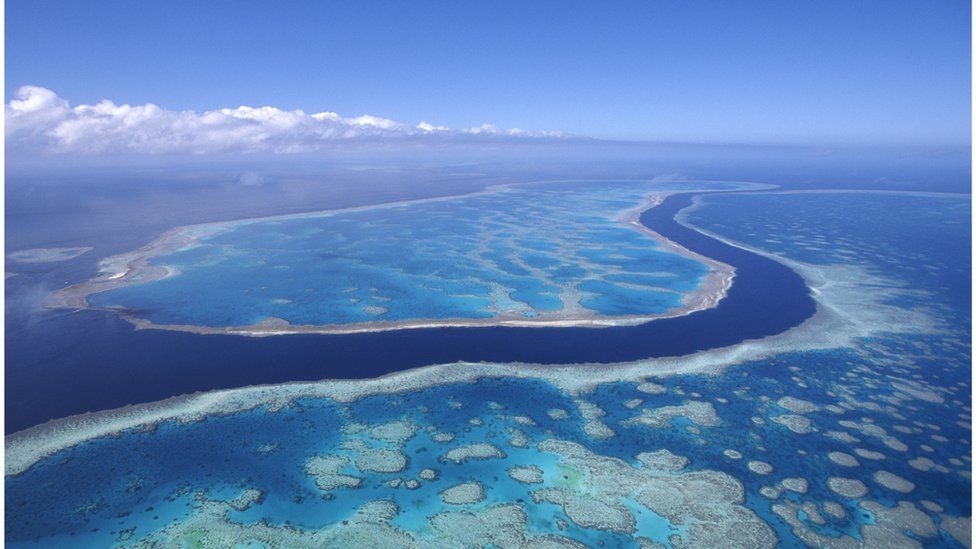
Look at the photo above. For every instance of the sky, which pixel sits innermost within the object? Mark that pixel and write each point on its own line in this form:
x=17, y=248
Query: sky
x=820, y=73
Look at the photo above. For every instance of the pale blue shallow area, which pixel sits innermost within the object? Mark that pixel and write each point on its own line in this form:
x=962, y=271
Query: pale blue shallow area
x=121, y=489
x=553, y=250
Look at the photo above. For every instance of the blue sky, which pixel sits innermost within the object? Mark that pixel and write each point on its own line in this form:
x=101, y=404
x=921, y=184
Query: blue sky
x=819, y=72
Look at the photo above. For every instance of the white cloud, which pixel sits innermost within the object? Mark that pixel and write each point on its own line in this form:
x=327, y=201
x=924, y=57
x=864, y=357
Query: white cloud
x=38, y=121
x=484, y=129
x=427, y=127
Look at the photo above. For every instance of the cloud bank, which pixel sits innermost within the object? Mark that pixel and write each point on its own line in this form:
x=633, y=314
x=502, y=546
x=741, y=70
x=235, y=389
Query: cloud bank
x=39, y=121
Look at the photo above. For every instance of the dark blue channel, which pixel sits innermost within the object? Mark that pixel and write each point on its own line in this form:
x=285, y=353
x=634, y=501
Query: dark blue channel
x=91, y=360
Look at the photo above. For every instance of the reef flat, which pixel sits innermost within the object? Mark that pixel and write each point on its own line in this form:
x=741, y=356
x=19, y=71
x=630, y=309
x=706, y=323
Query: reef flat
x=47, y=255
x=851, y=429
x=534, y=255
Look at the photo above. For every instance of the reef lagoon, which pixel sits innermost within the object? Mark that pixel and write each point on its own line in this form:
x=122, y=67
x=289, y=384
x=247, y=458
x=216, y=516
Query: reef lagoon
x=850, y=428
x=550, y=254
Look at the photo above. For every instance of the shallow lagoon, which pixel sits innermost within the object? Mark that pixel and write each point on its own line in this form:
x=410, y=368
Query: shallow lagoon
x=891, y=400
x=540, y=251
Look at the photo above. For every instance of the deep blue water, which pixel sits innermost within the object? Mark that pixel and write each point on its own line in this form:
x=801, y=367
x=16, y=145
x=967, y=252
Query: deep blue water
x=122, y=366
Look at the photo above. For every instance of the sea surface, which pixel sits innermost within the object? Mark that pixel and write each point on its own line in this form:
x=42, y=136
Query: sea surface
x=859, y=435
x=766, y=298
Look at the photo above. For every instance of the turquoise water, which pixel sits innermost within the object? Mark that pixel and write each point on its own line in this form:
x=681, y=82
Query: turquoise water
x=899, y=396
x=531, y=251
